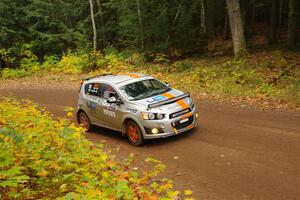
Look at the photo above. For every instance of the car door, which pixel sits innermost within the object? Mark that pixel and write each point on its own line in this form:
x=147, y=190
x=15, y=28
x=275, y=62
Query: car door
x=93, y=102
x=112, y=112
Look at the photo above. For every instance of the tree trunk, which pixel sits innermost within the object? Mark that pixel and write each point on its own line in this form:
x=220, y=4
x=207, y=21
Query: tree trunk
x=225, y=30
x=236, y=26
x=140, y=23
x=202, y=18
x=210, y=21
x=51, y=9
x=99, y=6
x=100, y=23
x=291, y=39
x=274, y=21
x=280, y=19
x=94, y=25
x=252, y=22
x=174, y=23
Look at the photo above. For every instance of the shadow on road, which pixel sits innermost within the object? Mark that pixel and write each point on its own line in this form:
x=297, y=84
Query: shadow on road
x=116, y=137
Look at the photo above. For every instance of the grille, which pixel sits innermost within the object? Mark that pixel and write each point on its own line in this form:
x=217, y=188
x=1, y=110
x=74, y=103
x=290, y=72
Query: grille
x=179, y=125
x=179, y=113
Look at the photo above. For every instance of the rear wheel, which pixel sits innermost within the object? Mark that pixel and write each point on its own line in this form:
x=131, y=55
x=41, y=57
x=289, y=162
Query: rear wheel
x=84, y=120
x=134, y=133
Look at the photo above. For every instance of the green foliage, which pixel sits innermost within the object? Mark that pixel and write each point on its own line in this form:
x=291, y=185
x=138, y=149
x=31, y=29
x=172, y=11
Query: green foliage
x=7, y=73
x=71, y=64
x=49, y=62
x=184, y=65
x=43, y=158
x=248, y=77
x=29, y=61
x=6, y=58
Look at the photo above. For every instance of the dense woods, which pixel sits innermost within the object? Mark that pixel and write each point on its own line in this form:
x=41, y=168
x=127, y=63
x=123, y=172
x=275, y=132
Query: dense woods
x=245, y=52
x=54, y=26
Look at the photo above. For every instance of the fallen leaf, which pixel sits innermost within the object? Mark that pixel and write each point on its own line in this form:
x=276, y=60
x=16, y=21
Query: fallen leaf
x=188, y=192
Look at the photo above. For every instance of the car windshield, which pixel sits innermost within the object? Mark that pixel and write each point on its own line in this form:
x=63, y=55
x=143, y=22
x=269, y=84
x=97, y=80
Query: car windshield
x=144, y=89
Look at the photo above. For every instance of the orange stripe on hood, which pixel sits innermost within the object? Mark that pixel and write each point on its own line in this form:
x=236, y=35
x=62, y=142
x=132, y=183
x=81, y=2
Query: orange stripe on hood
x=180, y=102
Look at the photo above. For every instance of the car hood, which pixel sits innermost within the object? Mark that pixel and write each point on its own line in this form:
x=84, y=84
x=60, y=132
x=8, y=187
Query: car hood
x=175, y=106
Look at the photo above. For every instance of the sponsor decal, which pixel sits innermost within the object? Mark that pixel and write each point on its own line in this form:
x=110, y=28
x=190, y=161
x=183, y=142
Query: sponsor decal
x=159, y=98
x=110, y=113
x=92, y=105
x=131, y=110
x=156, y=99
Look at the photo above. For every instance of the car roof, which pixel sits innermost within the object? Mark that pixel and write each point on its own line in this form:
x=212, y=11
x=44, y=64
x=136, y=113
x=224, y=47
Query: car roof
x=116, y=78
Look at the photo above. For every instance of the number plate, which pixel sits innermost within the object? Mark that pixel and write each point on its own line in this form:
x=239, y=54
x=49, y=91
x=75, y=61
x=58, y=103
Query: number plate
x=184, y=120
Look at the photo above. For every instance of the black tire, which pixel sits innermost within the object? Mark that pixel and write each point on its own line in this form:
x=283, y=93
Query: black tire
x=84, y=120
x=134, y=134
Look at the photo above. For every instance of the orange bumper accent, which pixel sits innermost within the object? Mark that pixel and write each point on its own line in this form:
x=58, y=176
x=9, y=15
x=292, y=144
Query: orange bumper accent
x=186, y=115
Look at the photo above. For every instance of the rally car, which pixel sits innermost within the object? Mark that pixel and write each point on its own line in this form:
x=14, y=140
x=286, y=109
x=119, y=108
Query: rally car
x=139, y=106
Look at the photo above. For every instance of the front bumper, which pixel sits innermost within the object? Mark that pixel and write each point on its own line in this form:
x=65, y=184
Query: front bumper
x=170, y=127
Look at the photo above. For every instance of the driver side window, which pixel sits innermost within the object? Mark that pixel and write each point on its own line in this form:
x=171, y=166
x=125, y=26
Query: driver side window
x=107, y=91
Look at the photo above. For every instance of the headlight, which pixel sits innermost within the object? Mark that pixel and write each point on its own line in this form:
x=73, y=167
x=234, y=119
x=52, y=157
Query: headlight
x=192, y=105
x=152, y=116
x=160, y=116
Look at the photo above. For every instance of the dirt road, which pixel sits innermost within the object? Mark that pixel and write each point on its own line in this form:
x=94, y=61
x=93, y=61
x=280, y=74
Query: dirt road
x=234, y=153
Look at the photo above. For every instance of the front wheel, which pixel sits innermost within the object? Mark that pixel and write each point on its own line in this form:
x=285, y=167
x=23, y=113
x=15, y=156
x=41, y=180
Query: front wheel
x=134, y=134
x=84, y=120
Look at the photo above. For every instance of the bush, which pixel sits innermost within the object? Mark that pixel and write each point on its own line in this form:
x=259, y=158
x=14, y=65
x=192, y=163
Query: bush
x=7, y=73
x=43, y=158
x=71, y=64
x=50, y=61
x=29, y=62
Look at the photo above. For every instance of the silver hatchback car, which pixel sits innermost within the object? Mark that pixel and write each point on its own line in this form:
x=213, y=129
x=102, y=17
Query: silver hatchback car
x=137, y=105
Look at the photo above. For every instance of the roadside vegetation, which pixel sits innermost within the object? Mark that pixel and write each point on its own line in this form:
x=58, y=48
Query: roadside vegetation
x=271, y=77
x=43, y=158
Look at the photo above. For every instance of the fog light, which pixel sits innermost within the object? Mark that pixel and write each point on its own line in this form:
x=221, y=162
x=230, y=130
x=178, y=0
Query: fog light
x=175, y=130
x=155, y=130
x=196, y=115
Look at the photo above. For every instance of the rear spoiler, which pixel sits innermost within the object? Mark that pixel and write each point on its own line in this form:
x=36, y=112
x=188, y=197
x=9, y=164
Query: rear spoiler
x=168, y=101
x=89, y=78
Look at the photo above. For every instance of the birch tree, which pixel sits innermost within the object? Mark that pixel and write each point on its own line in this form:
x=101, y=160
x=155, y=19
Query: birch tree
x=174, y=22
x=94, y=25
x=140, y=23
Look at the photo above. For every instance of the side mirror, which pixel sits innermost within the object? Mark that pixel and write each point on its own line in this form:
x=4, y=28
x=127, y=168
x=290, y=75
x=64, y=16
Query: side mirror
x=168, y=84
x=112, y=99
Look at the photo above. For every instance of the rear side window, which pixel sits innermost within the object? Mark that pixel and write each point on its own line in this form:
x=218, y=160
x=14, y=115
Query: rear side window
x=92, y=89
